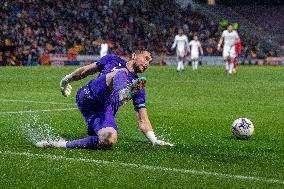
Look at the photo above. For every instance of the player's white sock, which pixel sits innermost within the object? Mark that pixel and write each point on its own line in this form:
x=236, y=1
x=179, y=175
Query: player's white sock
x=227, y=65
x=179, y=65
x=59, y=144
x=43, y=144
x=231, y=68
x=196, y=64
x=192, y=64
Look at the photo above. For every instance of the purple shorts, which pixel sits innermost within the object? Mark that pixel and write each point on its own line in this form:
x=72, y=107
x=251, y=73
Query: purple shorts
x=98, y=108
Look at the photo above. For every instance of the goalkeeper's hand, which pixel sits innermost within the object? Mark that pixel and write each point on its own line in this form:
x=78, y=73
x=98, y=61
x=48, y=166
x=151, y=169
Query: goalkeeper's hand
x=153, y=139
x=162, y=143
x=65, y=86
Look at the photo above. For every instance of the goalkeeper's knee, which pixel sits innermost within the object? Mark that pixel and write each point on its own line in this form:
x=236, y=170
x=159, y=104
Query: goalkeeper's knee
x=107, y=137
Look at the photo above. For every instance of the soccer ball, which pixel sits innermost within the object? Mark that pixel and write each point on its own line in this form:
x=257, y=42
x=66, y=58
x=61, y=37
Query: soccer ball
x=242, y=128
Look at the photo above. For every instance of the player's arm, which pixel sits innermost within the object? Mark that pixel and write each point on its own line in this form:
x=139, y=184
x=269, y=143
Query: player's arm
x=200, y=48
x=220, y=43
x=174, y=44
x=237, y=38
x=187, y=44
x=78, y=74
x=147, y=129
x=82, y=72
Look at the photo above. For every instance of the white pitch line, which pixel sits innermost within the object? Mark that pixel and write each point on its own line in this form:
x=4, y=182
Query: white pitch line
x=32, y=111
x=31, y=101
x=146, y=167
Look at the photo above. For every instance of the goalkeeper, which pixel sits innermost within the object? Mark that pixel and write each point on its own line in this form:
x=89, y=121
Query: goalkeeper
x=99, y=100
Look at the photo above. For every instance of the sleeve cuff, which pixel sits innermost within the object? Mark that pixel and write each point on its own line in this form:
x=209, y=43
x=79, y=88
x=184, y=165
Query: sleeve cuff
x=139, y=106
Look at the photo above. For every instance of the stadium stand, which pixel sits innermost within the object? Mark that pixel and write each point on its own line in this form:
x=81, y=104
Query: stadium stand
x=35, y=27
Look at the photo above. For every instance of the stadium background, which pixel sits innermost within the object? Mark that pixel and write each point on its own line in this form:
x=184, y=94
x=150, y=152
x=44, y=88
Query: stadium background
x=31, y=32
x=193, y=110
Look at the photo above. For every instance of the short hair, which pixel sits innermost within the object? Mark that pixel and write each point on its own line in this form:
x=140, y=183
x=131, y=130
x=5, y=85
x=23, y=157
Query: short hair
x=140, y=50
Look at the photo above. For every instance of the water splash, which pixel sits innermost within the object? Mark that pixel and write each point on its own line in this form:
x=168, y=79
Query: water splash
x=166, y=134
x=34, y=129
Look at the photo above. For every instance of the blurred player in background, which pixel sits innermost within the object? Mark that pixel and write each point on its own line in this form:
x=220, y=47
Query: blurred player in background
x=104, y=49
x=195, y=47
x=181, y=45
x=238, y=50
x=230, y=38
x=99, y=100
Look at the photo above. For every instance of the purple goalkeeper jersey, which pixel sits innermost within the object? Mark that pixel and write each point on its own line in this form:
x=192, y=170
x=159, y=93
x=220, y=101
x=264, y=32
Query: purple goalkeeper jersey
x=98, y=104
x=96, y=99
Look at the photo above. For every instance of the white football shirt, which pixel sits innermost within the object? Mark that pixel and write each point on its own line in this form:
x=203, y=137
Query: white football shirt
x=195, y=45
x=230, y=37
x=181, y=42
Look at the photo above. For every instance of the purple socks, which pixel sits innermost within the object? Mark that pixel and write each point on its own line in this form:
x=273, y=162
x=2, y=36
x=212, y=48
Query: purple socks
x=88, y=142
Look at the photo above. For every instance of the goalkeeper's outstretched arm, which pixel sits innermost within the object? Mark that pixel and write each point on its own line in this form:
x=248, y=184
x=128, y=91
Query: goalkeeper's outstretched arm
x=147, y=129
x=78, y=74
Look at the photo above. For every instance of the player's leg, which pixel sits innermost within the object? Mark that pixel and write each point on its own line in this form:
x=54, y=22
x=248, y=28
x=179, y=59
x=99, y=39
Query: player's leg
x=92, y=139
x=227, y=64
x=231, y=65
x=183, y=57
x=193, y=60
x=180, y=58
x=178, y=61
x=226, y=54
x=96, y=119
x=60, y=143
x=102, y=131
x=182, y=64
x=235, y=65
x=105, y=138
x=196, y=63
x=88, y=142
x=235, y=61
x=86, y=105
x=232, y=55
x=178, y=66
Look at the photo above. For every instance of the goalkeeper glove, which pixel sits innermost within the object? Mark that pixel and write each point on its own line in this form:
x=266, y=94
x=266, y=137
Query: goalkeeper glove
x=65, y=86
x=153, y=139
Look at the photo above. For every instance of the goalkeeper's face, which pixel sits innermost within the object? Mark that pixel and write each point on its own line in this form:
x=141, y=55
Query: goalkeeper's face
x=141, y=61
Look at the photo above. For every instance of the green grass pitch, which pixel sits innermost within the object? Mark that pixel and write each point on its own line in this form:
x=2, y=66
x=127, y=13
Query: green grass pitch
x=193, y=110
